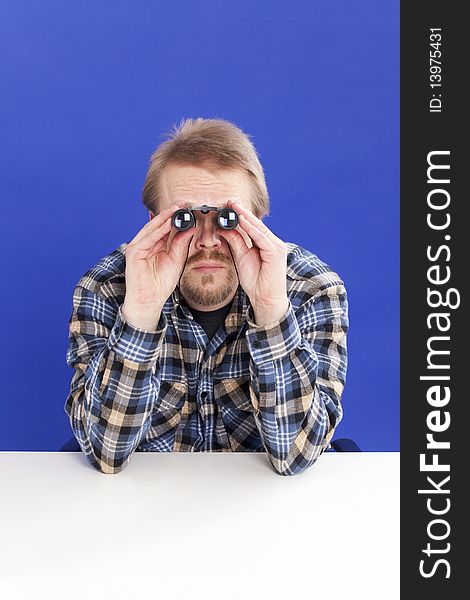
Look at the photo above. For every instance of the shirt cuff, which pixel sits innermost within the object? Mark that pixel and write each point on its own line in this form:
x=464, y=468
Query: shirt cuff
x=274, y=341
x=137, y=345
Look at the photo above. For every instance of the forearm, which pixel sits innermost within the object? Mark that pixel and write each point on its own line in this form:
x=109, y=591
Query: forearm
x=298, y=370
x=113, y=394
x=108, y=428
x=295, y=417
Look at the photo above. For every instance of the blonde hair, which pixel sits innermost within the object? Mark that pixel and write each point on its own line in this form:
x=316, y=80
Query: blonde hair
x=215, y=144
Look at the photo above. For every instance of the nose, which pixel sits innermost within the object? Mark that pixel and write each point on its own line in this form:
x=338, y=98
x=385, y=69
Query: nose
x=207, y=232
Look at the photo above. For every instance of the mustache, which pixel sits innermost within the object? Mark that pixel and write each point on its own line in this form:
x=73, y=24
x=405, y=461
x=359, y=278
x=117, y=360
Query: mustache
x=212, y=257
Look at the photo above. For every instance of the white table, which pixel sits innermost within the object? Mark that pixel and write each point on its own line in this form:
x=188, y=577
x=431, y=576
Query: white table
x=199, y=525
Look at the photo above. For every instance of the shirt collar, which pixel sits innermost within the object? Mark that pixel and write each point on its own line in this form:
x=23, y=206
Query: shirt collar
x=235, y=318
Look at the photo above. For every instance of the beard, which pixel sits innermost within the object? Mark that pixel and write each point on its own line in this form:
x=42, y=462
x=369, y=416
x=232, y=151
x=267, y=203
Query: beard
x=209, y=289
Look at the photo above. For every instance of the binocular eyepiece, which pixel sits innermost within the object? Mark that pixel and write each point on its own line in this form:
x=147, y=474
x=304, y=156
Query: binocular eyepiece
x=184, y=219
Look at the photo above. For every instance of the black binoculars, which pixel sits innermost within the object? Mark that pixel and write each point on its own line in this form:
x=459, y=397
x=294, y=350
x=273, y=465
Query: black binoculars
x=184, y=219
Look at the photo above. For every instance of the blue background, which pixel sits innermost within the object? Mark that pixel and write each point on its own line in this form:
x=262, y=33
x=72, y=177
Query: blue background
x=88, y=89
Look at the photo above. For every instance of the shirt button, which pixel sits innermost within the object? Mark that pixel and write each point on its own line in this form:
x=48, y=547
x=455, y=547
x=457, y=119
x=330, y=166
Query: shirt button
x=204, y=395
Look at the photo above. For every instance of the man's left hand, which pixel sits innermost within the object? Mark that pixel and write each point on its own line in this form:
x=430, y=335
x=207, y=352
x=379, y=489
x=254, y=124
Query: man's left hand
x=261, y=268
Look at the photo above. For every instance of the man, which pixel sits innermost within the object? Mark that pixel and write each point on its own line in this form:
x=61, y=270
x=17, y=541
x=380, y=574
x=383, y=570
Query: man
x=209, y=339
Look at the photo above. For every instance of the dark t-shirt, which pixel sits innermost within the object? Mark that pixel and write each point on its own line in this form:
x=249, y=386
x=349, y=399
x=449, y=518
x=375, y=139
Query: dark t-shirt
x=211, y=320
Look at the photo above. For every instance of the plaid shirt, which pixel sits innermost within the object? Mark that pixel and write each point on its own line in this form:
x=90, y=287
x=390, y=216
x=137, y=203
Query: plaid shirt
x=274, y=389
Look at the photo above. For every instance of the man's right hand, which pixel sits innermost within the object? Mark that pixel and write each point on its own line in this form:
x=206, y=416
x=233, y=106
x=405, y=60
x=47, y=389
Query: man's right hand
x=154, y=263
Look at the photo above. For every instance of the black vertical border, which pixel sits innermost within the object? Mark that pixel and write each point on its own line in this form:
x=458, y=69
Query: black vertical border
x=420, y=133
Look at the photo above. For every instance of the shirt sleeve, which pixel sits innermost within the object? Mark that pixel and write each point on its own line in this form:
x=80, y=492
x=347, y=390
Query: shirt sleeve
x=116, y=380
x=298, y=372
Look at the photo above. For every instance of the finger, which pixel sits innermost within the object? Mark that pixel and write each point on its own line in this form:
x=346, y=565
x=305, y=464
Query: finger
x=164, y=243
x=255, y=228
x=178, y=246
x=148, y=241
x=260, y=239
x=159, y=246
x=156, y=222
x=236, y=242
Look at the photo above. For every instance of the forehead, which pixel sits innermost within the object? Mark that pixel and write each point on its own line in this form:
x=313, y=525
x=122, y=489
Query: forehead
x=196, y=185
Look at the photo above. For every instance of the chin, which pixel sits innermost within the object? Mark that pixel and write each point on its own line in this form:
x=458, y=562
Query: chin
x=207, y=290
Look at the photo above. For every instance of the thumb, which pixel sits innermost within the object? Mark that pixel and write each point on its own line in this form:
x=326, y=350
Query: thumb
x=178, y=250
x=236, y=244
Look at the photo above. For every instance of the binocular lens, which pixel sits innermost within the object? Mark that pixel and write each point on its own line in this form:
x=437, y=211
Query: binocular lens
x=228, y=219
x=183, y=219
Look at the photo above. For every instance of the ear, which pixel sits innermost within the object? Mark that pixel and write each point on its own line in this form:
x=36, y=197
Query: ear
x=151, y=215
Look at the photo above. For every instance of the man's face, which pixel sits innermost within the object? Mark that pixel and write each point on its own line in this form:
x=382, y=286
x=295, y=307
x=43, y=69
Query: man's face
x=194, y=185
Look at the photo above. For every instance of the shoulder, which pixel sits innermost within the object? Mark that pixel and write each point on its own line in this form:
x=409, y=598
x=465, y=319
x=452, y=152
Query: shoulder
x=309, y=276
x=107, y=277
